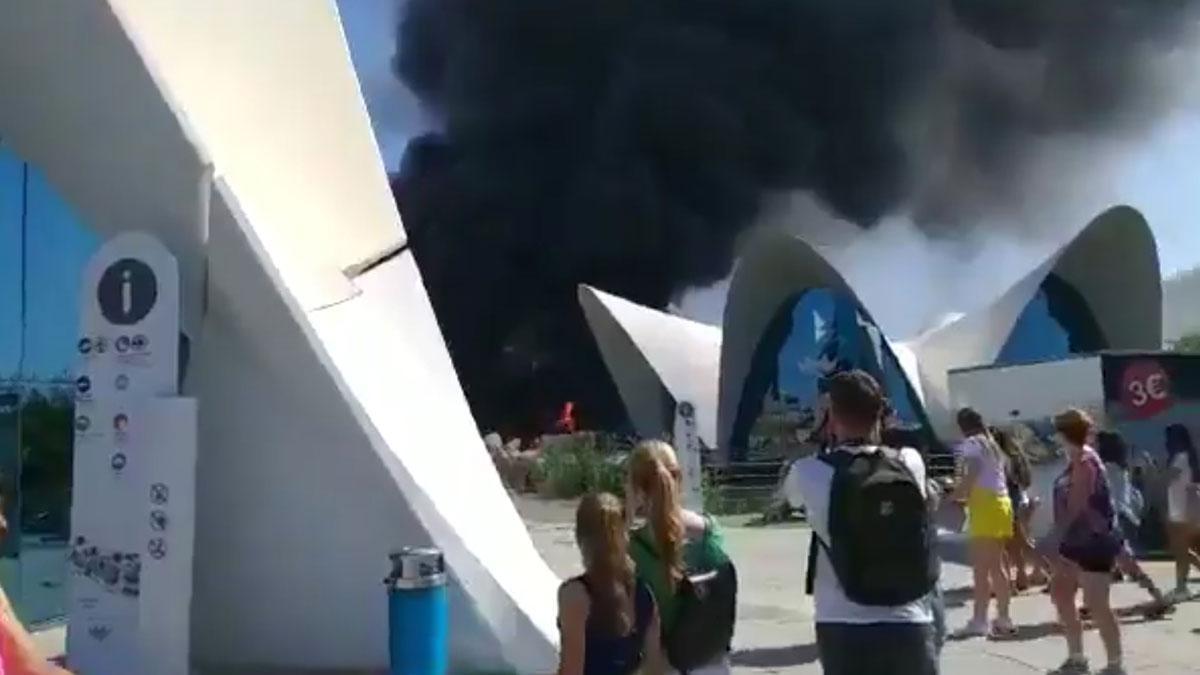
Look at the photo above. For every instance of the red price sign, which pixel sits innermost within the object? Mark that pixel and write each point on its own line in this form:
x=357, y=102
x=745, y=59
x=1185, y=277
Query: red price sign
x=1145, y=389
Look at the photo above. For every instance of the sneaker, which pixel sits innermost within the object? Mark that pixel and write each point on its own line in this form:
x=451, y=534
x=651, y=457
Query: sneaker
x=1074, y=665
x=1158, y=610
x=1112, y=669
x=973, y=629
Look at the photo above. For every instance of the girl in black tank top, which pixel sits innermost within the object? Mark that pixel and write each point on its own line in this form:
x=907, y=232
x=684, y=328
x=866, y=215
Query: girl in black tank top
x=607, y=618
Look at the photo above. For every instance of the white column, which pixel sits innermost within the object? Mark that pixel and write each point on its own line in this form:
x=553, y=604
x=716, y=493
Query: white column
x=687, y=448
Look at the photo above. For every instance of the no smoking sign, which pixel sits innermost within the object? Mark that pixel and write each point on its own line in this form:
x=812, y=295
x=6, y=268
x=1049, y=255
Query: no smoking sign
x=1145, y=389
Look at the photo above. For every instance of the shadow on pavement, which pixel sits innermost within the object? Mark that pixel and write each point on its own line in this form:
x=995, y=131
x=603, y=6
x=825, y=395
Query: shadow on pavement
x=957, y=597
x=776, y=657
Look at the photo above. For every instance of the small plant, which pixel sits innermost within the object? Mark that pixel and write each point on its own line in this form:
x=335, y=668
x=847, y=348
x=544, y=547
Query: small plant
x=714, y=502
x=1187, y=344
x=582, y=463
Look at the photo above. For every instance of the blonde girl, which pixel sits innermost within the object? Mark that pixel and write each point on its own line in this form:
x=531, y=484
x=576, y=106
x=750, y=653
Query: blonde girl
x=607, y=618
x=673, y=539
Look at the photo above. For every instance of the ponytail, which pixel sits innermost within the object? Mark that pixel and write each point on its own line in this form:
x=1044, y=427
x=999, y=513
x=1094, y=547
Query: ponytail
x=667, y=521
x=993, y=447
x=655, y=473
x=1018, y=463
x=600, y=531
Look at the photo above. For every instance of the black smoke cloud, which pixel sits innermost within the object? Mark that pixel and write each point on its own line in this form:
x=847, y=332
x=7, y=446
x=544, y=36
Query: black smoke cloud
x=629, y=143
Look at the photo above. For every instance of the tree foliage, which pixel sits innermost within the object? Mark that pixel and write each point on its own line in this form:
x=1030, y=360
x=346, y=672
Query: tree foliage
x=1188, y=343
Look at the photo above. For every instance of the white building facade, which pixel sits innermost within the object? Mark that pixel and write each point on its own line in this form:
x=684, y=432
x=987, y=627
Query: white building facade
x=792, y=318
x=332, y=426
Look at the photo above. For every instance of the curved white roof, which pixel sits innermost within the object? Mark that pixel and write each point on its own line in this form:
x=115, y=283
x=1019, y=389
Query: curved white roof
x=1112, y=262
x=647, y=351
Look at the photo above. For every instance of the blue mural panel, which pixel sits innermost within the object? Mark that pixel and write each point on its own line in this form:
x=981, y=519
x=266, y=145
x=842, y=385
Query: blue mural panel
x=1056, y=323
x=814, y=335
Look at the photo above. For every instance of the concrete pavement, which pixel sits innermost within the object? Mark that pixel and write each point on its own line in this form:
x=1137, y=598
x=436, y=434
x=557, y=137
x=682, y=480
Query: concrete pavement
x=775, y=632
x=775, y=623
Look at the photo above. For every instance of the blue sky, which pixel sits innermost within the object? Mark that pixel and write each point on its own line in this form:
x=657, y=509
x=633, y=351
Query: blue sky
x=1156, y=174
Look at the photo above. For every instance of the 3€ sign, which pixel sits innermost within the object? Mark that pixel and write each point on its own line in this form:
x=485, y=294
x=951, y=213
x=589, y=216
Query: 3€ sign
x=1145, y=389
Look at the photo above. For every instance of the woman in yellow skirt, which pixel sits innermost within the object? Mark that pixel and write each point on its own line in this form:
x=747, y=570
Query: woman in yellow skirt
x=989, y=524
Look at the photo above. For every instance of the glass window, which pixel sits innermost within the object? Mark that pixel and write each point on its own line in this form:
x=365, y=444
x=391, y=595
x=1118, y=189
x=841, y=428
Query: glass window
x=1056, y=323
x=814, y=335
x=43, y=250
x=47, y=440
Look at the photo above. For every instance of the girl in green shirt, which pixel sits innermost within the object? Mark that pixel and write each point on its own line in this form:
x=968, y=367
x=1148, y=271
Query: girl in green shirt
x=673, y=540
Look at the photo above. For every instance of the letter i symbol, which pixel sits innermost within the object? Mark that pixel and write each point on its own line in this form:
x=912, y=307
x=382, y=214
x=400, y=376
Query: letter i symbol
x=127, y=292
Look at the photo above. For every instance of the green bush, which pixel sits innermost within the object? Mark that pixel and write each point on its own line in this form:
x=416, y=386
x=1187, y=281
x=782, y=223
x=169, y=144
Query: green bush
x=584, y=463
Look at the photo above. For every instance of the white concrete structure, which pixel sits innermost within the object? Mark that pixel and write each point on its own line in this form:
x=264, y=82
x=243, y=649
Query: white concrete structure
x=656, y=360
x=332, y=426
x=1111, y=263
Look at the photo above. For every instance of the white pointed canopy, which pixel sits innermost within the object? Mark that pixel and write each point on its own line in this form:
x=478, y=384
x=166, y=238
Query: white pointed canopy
x=648, y=353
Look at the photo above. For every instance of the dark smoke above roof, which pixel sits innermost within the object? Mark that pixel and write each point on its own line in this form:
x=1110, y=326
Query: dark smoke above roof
x=627, y=144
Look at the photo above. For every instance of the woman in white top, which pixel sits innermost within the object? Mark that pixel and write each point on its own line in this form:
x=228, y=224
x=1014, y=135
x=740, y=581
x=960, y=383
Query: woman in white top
x=984, y=489
x=1183, y=476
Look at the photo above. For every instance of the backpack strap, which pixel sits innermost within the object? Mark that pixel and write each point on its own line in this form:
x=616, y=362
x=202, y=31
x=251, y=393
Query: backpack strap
x=834, y=460
x=810, y=575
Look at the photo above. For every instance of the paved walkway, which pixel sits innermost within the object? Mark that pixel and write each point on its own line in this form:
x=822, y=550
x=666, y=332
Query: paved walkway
x=775, y=628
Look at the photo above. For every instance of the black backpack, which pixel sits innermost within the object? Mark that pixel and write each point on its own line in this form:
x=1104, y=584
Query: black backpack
x=706, y=611
x=882, y=536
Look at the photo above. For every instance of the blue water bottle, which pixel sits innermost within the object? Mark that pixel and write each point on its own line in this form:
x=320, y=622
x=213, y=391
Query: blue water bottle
x=418, y=612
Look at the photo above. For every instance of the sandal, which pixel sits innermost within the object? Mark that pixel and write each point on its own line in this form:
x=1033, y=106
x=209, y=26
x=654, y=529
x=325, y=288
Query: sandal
x=1157, y=610
x=1002, y=629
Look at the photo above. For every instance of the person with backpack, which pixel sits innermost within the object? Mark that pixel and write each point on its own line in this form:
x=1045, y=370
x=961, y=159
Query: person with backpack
x=607, y=618
x=1087, y=542
x=1183, y=505
x=680, y=554
x=873, y=565
x=984, y=489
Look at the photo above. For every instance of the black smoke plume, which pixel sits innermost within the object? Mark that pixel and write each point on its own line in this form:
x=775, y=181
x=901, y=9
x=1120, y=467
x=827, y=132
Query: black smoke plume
x=629, y=143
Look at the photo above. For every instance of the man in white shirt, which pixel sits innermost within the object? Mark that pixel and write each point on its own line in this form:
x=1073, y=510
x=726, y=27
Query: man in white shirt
x=856, y=639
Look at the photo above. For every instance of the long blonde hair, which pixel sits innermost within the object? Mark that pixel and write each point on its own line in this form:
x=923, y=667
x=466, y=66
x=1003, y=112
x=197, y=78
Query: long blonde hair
x=654, y=473
x=604, y=541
